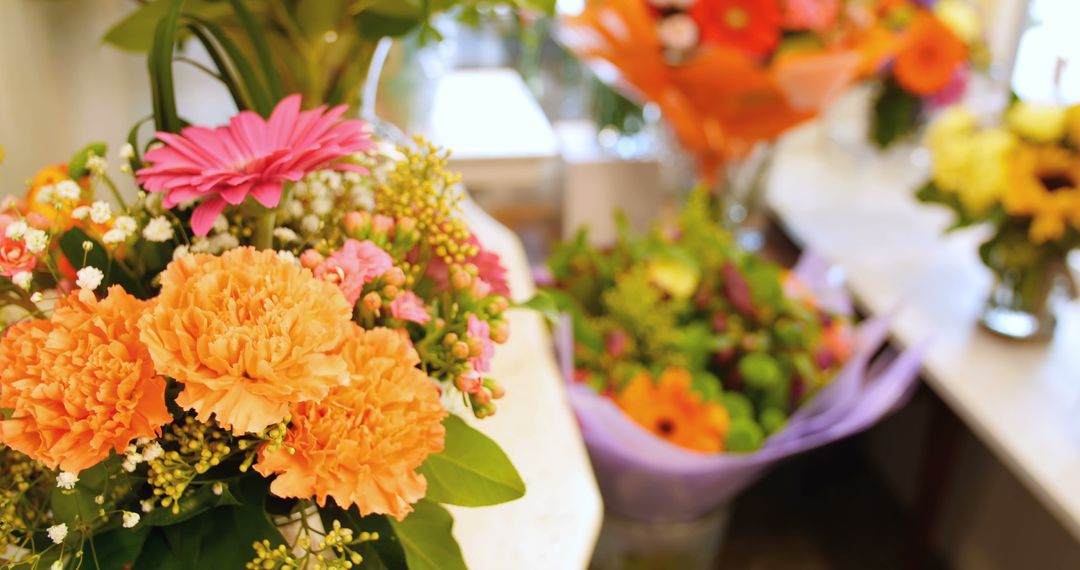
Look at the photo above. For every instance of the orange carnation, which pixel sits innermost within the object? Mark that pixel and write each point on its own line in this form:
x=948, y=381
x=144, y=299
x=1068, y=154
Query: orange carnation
x=363, y=443
x=248, y=334
x=672, y=411
x=80, y=384
x=929, y=56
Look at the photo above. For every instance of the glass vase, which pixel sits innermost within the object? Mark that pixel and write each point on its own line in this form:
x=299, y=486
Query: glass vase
x=740, y=188
x=628, y=544
x=1027, y=281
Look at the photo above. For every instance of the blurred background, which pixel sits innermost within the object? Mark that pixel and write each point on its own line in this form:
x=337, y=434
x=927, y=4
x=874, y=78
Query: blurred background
x=546, y=148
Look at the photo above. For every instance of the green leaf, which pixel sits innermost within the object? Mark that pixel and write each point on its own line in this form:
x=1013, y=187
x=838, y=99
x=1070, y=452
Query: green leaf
x=191, y=505
x=159, y=63
x=257, y=34
x=116, y=273
x=77, y=164
x=471, y=471
x=135, y=33
x=250, y=94
x=544, y=303
x=760, y=370
x=156, y=553
x=895, y=115
x=221, y=537
x=75, y=505
x=427, y=538
x=117, y=548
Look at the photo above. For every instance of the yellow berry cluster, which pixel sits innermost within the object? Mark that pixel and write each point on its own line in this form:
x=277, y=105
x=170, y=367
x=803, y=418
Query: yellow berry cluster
x=24, y=490
x=192, y=448
x=421, y=188
x=329, y=552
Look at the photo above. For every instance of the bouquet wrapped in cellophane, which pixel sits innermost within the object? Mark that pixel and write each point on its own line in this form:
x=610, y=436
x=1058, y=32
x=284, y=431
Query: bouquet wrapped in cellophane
x=726, y=74
x=693, y=366
x=259, y=359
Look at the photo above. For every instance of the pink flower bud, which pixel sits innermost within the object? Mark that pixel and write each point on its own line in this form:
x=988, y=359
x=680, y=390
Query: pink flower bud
x=355, y=221
x=311, y=258
x=469, y=382
x=372, y=301
x=382, y=224
x=395, y=276
x=406, y=225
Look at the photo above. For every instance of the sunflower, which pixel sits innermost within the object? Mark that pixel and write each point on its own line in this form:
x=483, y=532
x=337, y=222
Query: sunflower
x=672, y=411
x=1045, y=185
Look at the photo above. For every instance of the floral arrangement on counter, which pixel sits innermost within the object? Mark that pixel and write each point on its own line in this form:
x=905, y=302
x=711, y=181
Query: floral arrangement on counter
x=262, y=361
x=928, y=52
x=1019, y=174
x=706, y=346
x=726, y=74
x=693, y=365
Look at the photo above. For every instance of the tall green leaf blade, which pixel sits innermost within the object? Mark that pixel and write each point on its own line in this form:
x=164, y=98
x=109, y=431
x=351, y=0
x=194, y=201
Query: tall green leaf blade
x=472, y=471
x=427, y=538
x=260, y=97
x=135, y=33
x=159, y=63
x=266, y=60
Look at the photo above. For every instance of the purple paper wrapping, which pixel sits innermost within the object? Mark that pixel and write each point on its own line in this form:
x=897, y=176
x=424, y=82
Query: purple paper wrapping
x=643, y=477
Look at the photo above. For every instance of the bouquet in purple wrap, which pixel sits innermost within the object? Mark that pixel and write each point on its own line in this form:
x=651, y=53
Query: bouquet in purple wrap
x=694, y=366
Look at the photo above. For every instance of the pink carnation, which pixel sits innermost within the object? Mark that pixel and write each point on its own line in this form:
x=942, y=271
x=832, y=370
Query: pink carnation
x=481, y=330
x=250, y=156
x=353, y=266
x=489, y=267
x=14, y=257
x=408, y=307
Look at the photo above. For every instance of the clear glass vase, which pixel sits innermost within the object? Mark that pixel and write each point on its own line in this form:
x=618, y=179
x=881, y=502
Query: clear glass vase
x=627, y=544
x=1020, y=303
x=740, y=188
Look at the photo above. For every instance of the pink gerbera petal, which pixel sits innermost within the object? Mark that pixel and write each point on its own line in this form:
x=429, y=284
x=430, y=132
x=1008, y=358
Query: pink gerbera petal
x=250, y=156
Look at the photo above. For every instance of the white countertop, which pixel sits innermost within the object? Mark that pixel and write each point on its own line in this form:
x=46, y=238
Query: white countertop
x=555, y=525
x=1021, y=400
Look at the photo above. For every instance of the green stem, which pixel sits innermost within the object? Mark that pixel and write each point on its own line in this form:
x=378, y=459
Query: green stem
x=264, y=229
x=115, y=192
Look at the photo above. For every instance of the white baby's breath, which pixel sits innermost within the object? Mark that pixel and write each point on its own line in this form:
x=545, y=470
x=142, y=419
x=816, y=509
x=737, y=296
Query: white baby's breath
x=23, y=279
x=36, y=240
x=57, y=533
x=130, y=519
x=68, y=190
x=81, y=212
x=114, y=236
x=89, y=278
x=100, y=212
x=126, y=224
x=67, y=480
x=158, y=230
x=16, y=229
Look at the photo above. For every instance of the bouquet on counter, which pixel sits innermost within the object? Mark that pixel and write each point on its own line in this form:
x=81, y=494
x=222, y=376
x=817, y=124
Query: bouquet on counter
x=259, y=362
x=726, y=74
x=693, y=365
x=926, y=54
x=1020, y=175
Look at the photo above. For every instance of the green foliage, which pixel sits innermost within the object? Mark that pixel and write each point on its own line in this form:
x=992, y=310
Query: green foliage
x=426, y=537
x=77, y=165
x=895, y=115
x=116, y=272
x=760, y=370
x=744, y=436
x=191, y=506
x=471, y=471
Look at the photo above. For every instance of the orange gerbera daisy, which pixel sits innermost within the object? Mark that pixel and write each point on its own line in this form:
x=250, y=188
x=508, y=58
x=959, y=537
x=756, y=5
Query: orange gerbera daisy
x=1045, y=184
x=80, y=384
x=363, y=443
x=750, y=26
x=672, y=411
x=929, y=56
x=248, y=334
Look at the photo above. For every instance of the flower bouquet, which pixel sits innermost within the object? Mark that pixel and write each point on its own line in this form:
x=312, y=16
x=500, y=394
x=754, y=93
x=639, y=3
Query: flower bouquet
x=694, y=366
x=1021, y=176
x=926, y=53
x=262, y=361
x=729, y=76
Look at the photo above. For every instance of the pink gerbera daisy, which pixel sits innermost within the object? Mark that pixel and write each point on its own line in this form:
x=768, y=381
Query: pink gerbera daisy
x=250, y=156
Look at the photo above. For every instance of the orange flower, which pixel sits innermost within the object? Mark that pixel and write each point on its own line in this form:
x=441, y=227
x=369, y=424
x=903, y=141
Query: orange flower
x=673, y=412
x=363, y=443
x=248, y=334
x=751, y=26
x=929, y=56
x=80, y=384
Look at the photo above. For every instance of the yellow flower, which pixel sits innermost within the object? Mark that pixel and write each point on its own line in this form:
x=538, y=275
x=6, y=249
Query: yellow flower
x=1072, y=124
x=676, y=279
x=1045, y=185
x=948, y=142
x=987, y=170
x=961, y=18
x=1037, y=122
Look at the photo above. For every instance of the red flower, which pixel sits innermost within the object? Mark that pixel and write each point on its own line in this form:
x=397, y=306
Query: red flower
x=750, y=26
